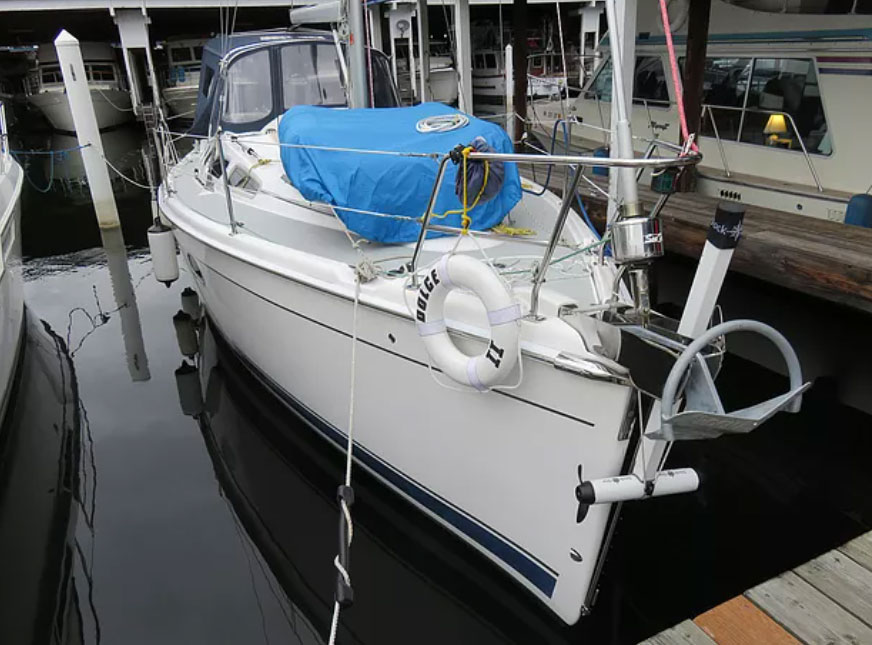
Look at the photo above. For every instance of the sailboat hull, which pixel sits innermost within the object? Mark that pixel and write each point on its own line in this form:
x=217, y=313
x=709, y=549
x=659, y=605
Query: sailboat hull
x=497, y=468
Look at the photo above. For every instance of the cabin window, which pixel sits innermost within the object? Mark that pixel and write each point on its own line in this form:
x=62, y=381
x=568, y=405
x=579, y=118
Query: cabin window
x=784, y=106
x=180, y=54
x=601, y=86
x=249, y=90
x=490, y=61
x=311, y=75
x=649, y=82
x=198, y=53
x=51, y=75
x=863, y=7
x=724, y=85
x=98, y=72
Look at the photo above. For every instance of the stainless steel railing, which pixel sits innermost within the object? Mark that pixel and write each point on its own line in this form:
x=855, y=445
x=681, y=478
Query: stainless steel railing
x=576, y=161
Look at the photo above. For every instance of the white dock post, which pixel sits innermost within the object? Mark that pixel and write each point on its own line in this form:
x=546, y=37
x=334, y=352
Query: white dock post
x=424, y=49
x=87, y=132
x=463, y=38
x=510, y=90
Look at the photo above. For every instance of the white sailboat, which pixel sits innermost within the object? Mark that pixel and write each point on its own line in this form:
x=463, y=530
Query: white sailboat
x=11, y=290
x=44, y=87
x=515, y=424
x=782, y=124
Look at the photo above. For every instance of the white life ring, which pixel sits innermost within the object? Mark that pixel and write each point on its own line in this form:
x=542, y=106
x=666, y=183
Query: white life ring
x=493, y=366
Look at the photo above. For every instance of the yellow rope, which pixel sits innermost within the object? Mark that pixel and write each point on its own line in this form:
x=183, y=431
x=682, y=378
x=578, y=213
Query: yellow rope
x=504, y=229
x=465, y=219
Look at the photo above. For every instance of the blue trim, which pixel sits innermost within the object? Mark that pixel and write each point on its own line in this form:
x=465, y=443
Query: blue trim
x=529, y=566
x=841, y=35
x=526, y=564
x=845, y=71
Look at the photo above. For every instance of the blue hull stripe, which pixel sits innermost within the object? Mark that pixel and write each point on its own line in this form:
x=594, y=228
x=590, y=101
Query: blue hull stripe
x=837, y=35
x=543, y=579
x=845, y=71
x=526, y=564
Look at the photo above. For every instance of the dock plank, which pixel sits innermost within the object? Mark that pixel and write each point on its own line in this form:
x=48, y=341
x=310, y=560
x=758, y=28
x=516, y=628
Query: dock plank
x=685, y=633
x=739, y=622
x=843, y=580
x=860, y=549
x=807, y=613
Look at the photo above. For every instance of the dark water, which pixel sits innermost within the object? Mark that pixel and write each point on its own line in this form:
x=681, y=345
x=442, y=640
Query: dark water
x=122, y=520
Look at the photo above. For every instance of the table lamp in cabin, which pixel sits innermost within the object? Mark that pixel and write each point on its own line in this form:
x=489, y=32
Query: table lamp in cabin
x=775, y=126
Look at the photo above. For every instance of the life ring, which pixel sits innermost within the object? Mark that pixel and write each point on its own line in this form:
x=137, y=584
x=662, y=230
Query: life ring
x=493, y=366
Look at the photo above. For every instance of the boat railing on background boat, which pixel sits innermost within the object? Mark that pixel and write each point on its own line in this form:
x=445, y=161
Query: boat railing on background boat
x=746, y=110
x=706, y=114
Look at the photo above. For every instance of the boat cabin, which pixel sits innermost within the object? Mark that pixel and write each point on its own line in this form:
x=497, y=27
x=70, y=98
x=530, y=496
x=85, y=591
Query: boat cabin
x=249, y=80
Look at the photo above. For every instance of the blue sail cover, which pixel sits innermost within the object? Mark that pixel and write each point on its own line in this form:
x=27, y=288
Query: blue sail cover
x=386, y=183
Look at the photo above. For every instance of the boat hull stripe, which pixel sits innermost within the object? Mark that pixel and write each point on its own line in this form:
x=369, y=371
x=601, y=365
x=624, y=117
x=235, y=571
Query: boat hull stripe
x=536, y=572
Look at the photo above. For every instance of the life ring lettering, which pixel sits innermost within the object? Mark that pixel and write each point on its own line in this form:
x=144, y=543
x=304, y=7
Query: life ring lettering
x=494, y=365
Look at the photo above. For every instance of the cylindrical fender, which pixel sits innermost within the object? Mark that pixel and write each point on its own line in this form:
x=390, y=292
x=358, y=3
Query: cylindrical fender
x=494, y=365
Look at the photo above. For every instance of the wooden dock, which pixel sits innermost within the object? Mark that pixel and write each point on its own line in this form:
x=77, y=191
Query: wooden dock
x=818, y=257
x=827, y=601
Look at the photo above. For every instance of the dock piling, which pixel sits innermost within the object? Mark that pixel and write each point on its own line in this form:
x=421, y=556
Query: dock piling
x=87, y=132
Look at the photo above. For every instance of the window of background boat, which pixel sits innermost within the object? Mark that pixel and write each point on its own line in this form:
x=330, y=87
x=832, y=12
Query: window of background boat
x=98, y=72
x=180, y=54
x=601, y=86
x=725, y=82
x=863, y=7
x=490, y=61
x=649, y=82
x=786, y=86
x=249, y=89
x=311, y=75
x=198, y=53
x=51, y=75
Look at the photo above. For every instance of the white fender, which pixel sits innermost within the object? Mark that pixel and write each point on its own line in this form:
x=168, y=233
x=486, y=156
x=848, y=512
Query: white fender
x=493, y=366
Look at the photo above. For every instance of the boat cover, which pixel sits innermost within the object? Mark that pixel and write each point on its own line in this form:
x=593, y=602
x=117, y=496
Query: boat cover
x=387, y=183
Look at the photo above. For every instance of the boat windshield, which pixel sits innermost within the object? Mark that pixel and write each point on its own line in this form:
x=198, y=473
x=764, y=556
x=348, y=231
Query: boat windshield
x=264, y=83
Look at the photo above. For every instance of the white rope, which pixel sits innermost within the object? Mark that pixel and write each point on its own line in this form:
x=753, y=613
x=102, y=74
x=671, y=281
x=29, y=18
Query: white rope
x=123, y=176
x=109, y=101
x=346, y=512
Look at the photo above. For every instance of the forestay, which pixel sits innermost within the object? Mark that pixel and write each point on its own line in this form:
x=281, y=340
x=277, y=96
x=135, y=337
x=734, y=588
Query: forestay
x=387, y=183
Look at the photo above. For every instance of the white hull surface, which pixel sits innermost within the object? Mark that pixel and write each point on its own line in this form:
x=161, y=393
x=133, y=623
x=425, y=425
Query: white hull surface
x=11, y=294
x=112, y=108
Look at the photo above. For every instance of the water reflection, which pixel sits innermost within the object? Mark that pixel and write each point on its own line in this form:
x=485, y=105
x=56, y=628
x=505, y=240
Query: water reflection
x=125, y=304
x=47, y=499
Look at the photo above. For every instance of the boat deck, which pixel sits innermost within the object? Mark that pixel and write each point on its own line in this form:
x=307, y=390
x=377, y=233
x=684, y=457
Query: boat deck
x=826, y=259
x=826, y=600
